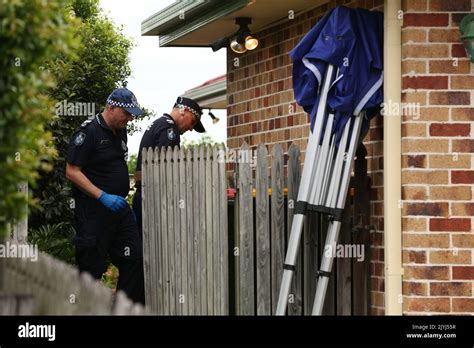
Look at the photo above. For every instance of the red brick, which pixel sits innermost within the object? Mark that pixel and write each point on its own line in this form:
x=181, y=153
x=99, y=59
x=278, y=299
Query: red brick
x=426, y=51
x=458, y=51
x=450, y=5
x=414, y=5
x=426, y=20
x=452, y=161
x=444, y=35
x=428, y=209
x=462, y=82
x=422, y=240
x=425, y=82
x=424, y=177
x=451, y=289
x=414, y=224
x=462, y=114
x=413, y=35
x=466, y=145
x=412, y=256
x=450, y=130
x=449, y=66
x=415, y=289
x=463, y=240
x=453, y=193
x=414, y=193
x=463, y=305
x=450, y=225
x=453, y=256
x=427, y=305
x=460, y=272
x=416, y=161
x=427, y=272
x=462, y=177
x=450, y=98
x=462, y=209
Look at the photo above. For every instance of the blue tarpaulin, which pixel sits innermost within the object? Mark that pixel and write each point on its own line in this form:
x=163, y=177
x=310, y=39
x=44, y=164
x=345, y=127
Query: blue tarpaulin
x=352, y=41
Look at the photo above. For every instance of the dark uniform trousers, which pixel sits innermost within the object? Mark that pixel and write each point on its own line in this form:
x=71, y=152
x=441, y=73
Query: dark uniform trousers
x=137, y=207
x=101, y=232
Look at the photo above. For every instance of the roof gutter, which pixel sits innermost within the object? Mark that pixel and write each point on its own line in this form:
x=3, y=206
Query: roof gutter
x=209, y=91
x=183, y=17
x=392, y=160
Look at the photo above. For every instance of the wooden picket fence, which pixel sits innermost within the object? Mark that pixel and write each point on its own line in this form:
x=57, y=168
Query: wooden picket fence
x=206, y=254
x=48, y=286
x=42, y=285
x=185, y=231
x=262, y=228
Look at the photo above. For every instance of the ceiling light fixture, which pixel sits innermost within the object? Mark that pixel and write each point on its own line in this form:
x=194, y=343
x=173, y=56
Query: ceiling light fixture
x=243, y=39
x=214, y=118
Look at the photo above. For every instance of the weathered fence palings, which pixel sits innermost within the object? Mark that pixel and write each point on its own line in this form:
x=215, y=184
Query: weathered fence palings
x=187, y=261
x=43, y=285
x=185, y=223
x=47, y=286
x=265, y=235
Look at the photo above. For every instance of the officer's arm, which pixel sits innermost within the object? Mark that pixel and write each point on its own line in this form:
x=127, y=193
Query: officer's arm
x=78, y=178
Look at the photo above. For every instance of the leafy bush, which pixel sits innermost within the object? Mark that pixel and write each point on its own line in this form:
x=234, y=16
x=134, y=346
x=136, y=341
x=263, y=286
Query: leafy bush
x=31, y=33
x=56, y=240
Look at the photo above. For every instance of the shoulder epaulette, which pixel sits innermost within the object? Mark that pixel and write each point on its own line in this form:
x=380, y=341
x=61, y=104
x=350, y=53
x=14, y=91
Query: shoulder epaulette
x=85, y=123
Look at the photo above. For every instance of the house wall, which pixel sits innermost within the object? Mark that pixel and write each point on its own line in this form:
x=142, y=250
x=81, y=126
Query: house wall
x=262, y=109
x=437, y=148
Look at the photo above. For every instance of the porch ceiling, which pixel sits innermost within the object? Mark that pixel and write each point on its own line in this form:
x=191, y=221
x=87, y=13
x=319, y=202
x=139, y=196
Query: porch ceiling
x=207, y=22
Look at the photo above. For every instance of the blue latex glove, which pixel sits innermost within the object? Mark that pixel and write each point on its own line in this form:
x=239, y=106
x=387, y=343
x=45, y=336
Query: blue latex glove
x=112, y=202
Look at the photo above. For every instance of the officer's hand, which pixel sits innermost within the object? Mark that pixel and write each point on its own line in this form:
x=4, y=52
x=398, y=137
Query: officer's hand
x=112, y=202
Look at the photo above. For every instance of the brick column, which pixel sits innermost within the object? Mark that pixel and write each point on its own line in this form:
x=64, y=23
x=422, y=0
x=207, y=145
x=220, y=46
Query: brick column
x=437, y=148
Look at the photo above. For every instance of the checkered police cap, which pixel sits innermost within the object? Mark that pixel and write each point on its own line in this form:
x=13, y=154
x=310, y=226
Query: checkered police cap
x=125, y=99
x=192, y=106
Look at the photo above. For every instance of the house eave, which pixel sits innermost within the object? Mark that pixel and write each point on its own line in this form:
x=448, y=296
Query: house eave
x=210, y=96
x=182, y=18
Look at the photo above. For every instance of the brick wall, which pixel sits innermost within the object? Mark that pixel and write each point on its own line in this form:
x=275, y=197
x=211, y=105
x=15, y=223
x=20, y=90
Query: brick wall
x=261, y=109
x=437, y=148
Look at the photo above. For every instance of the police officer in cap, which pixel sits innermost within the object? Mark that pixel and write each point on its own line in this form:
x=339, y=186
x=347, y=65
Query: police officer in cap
x=163, y=132
x=97, y=166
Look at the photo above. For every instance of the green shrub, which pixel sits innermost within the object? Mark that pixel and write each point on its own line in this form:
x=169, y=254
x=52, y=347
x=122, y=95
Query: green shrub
x=56, y=240
x=31, y=33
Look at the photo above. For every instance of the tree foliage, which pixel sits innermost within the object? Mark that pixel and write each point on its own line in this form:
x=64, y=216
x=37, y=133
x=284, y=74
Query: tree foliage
x=204, y=139
x=31, y=33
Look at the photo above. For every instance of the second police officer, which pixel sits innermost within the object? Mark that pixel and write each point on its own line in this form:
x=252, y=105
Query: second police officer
x=163, y=132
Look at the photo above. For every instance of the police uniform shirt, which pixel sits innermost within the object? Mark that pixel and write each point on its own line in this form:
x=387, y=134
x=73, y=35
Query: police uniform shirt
x=102, y=156
x=162, y=132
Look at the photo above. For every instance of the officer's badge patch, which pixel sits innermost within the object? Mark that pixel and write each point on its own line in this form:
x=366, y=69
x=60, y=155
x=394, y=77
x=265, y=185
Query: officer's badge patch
x=171, y=134
x=79, y=139
x=85, y=123
x=124, y=146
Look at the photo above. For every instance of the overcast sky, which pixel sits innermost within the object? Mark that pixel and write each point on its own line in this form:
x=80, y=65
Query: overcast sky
x=161, y=74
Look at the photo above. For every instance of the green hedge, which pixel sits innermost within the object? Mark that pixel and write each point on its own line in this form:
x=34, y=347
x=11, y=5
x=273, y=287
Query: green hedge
x=31, y=33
